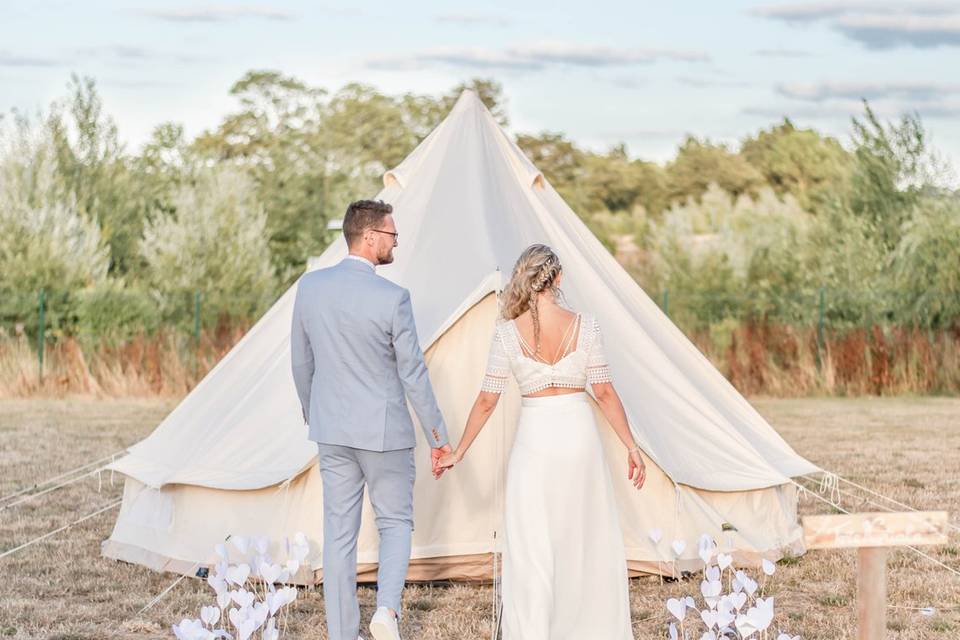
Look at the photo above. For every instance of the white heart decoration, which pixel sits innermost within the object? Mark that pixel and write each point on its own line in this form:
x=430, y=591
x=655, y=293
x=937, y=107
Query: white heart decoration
x=655, y=535
x=691, y=603
x=678, y=608
x=221, y=550
x=261, y=544
x=210, y=615
x=712, y=573
x=289, y=594
x=678, y=546
x=749, y=585
x=709, y=635
x=274, y=601
x=724, y=560
x=242, y=597
x=711, y=592
x=768, y=567
x=745, y=626
x=709, y=618
x=238, y=574
x=217, y=583
x=270, y=631
x=787, y=636
x=270, y=572
x=293, y=566
x=738, y=599
x=762, y=613
x=241, y=543
x=223, y=599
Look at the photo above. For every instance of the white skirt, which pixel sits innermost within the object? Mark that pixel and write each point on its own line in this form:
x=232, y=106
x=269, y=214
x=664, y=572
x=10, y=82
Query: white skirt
x=564, y=566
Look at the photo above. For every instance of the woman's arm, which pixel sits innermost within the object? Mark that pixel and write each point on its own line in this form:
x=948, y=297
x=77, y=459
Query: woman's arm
x=612, y=409
x=483, y=406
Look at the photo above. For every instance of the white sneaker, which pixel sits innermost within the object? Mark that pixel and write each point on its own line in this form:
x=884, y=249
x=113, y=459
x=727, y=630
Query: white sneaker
x=384, y=626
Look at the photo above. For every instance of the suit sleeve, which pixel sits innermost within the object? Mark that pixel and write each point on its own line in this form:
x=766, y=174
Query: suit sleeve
x=413, y=373
x=301, y=356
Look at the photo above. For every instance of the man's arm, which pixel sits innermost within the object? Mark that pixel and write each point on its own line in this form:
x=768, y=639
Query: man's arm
x=413, y=374
x=301, y=356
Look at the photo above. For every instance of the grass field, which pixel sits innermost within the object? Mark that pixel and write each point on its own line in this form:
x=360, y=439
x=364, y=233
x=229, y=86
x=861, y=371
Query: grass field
x=906, y=448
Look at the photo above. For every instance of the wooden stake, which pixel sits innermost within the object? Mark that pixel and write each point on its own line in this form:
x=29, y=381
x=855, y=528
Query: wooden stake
x=872, y=593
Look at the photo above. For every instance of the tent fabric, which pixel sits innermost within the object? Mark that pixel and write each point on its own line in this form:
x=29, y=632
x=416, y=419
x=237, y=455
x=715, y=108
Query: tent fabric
x=466, y=202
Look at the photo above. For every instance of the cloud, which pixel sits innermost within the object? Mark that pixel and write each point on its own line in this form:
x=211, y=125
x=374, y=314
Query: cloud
x=782, y=53
x=533, y=57
x=134, y=54
x=13, y=60
x=911, y=91
x=888, y=32
x=878, y=25
x=218, y=13
x=848, y=108
x=473, y=19
x=710, y=83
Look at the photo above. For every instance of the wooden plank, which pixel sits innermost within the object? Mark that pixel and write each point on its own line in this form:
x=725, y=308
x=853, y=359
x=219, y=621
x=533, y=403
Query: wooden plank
x=871, y=593
x=875, y=529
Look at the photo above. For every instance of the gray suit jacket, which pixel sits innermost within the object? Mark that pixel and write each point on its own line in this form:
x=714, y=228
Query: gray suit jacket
x=355, y=353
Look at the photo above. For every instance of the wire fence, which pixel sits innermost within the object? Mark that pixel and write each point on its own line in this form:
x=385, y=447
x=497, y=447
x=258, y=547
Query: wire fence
x=45, y=317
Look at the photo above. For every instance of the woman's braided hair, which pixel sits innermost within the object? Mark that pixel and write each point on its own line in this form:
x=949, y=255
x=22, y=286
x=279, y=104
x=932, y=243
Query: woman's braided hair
x=536, y=270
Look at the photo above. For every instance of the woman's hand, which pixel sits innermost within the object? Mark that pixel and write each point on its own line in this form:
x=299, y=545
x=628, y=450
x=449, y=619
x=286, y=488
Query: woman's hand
x=448, y=460
x=636, y=470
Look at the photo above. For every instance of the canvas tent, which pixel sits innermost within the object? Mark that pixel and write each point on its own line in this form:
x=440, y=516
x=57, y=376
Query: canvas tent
x=233, y=457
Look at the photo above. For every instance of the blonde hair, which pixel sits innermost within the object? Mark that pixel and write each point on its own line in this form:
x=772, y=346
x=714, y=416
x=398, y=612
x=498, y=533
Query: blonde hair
x=536, y=270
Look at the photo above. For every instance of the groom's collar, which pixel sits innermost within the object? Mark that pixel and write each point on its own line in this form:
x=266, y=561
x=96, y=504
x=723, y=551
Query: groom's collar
x=358, y=260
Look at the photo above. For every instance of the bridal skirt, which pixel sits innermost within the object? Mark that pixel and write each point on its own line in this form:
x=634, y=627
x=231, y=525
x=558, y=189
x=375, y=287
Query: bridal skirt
x=564, y=567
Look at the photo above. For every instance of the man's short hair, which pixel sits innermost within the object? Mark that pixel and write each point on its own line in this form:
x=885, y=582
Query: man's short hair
x=362, y=215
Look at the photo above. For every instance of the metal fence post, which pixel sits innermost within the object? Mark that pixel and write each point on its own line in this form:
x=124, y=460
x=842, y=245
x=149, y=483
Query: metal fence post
x=196, y=333
x=820, y=345
x=41, y=329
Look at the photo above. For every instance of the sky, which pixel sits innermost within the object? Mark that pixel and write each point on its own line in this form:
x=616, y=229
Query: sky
x=642, y=73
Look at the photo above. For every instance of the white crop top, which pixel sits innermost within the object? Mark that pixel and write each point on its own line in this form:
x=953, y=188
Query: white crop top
x=586, y=362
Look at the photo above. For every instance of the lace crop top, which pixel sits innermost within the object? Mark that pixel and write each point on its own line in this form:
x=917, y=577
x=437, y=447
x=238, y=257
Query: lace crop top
x=585, y=362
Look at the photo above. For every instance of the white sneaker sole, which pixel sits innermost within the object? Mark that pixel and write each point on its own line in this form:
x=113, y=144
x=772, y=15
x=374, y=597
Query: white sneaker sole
x=382, y=631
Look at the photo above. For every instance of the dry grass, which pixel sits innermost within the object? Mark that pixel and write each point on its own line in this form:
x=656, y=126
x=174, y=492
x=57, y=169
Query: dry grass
x=778, y=360
x=62, y=588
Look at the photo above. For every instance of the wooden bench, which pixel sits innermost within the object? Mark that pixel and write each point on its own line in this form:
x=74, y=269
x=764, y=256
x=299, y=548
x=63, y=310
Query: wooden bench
x=872, y=534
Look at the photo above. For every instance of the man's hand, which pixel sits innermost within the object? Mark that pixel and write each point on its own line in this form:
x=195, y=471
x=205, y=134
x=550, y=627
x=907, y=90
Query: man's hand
x=435, y=459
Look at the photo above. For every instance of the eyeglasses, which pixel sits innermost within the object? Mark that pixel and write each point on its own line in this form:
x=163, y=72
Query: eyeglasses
x=396, y=236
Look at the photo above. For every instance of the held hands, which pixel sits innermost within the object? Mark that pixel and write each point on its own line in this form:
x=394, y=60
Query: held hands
x=436, y=455
x=449, y=459
x=636, y=470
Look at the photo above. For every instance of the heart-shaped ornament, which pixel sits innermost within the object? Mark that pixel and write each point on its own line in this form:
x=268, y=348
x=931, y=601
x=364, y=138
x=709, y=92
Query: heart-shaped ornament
x=238, y=574
x=709, y=618
x=678, y=546
x=678, y=608
x=724, y=560
x=745, y=626
x=210, y=615
x=768, y=567
x=655, y=535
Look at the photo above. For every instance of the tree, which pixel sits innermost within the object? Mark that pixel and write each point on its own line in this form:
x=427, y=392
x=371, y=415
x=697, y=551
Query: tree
x=46, y=240
x=213, y=242
x=801, y=162
x=894, y=168
x=699, y=163
x=93, y=165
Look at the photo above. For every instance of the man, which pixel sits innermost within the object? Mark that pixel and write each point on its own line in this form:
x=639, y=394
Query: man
x=355, y=354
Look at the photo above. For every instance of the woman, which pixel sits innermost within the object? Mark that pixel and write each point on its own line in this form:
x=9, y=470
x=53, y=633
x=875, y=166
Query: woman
x=564, y=567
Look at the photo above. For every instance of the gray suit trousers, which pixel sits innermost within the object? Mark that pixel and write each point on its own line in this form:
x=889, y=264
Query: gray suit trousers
x=390, y=476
